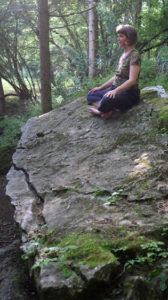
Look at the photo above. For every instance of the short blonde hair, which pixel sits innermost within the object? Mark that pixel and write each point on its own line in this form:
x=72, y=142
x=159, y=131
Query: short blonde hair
x=130, y=32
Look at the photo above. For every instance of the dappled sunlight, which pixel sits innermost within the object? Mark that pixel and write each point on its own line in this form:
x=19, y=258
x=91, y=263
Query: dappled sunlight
x=41, y=116
x=142, y=165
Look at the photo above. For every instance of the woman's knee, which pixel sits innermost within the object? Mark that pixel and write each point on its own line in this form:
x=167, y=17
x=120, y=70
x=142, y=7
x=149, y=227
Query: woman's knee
x=93, y=97
x=89, y=98
x=106, y=105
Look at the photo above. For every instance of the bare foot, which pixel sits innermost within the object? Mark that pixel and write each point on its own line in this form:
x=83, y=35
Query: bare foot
x=94, y=111
x=106, y=116
x=96, y=103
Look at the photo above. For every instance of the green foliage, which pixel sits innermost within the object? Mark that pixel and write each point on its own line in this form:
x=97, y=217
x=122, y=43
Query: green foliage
x=95, y=248
x=18, y=40
x=42, y=262
x=31, y=249
x=153, y=24
x=10, y=134
x=159, y=272
x=161, y=114
x=125, y=244
x=66, y=86
x=152, y=252
x=148, y=73
x=79, y=62
x=163, y=281
x=98, y=192
x=70, y=252
x=69, y=44
x=108, y=49
x=151, y=75
x=33, y=110
x=107, y=197
x=162, y=60
x=163, y=119
x=87, y=249
x=11, y=130
x=165, y=230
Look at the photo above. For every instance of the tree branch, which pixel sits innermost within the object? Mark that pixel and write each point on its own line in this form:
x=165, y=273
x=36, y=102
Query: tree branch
x=155, y=46
x=150, y=40
x=10, y=94
x=71, y=14
x=52, y=28
x=4, y=14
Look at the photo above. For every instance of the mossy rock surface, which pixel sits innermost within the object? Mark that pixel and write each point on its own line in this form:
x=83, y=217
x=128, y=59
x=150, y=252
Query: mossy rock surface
x=99, y=186
x=161, y=110
x=148, y=94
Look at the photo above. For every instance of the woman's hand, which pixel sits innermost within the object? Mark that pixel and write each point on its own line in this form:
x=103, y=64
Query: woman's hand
x=95, y=89
x=111, y=94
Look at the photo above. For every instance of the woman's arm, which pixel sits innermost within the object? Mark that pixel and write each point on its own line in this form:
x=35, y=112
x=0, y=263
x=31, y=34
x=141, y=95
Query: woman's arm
x=133, y=76
x=104, y=86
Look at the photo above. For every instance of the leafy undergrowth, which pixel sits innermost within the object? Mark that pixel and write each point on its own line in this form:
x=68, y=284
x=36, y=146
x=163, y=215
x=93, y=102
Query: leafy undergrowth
x=130, y=249
x=9, y=136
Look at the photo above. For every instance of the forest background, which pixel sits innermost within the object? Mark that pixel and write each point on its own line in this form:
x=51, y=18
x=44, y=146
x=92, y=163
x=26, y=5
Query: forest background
x=53, y=51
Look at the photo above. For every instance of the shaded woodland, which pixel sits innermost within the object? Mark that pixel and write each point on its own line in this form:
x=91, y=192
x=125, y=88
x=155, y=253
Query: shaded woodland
x=71, y=43
x=53, y=51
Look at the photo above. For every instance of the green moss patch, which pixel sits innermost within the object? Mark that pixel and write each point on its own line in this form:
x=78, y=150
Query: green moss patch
x=128, y=242
x=89, y=249
x=148, y=94
x=93, y=249
x=113, y=245
x=163, y=118
x=161, y=112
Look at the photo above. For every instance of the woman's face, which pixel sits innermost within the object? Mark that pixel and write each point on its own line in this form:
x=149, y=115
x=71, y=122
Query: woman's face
x=122, y=40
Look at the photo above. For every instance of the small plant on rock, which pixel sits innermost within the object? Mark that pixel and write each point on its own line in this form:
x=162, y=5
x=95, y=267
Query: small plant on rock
x=152, y=252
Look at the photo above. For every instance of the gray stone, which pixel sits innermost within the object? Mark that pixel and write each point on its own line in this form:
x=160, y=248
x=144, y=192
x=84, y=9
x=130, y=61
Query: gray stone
x=159, y=89
x=102, y=273
x=62, y=162
x=23, y=199
x=53, y=285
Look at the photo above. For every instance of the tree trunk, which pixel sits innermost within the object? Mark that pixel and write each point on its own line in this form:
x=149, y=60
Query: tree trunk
x=137, y=14
x=2, y=99
x=93, y=38
x=45, y=56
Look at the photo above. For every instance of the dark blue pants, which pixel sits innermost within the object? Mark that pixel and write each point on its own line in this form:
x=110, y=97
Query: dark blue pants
x=122, y=101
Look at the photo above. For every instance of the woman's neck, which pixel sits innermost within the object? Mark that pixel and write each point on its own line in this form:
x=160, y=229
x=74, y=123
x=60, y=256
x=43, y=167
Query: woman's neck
x=128, y=49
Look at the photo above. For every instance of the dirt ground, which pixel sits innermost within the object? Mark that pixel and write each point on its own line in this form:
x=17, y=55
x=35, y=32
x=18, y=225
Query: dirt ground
x=15, y=283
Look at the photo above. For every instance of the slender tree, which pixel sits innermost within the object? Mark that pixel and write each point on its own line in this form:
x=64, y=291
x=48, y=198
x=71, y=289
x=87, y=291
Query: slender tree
x=2, y=99
x=45, y=56
x=137, y=13
x=93, y=37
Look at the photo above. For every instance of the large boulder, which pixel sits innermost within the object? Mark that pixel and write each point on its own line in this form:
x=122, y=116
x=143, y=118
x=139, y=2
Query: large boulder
x=88, y=194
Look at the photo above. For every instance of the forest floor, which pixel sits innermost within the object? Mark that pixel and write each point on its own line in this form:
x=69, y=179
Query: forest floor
x=15, y=283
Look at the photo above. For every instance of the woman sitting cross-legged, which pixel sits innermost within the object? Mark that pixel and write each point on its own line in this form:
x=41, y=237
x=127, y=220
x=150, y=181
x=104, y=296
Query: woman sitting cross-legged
x=121, y=91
